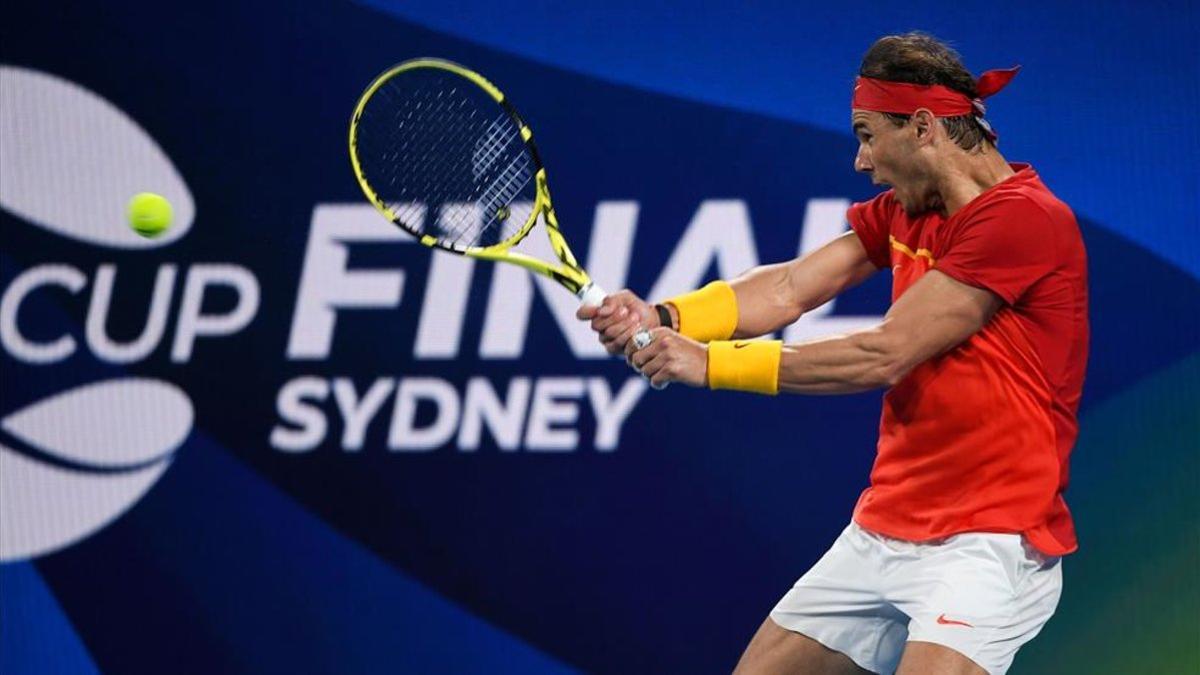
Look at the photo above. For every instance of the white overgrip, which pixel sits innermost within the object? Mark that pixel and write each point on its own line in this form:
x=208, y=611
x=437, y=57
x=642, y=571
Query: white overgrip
x=591, y=295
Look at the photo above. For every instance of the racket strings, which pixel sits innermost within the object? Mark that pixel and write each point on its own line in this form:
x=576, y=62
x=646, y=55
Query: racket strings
x=501, y=192
x=489, y=148
x=506, y=185
x=430, y=143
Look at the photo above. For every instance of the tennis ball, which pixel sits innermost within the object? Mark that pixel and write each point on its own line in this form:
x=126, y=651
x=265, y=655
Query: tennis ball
x=149, y=214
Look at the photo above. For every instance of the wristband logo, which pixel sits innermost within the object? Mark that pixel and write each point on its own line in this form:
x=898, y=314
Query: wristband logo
x=73, y=461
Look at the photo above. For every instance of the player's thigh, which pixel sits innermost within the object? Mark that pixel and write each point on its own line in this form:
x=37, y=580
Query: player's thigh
x=926, y=658
x=777, y=650
x=977, y=596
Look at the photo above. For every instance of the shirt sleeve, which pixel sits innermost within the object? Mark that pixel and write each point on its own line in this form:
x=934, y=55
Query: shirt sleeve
x=871, y=221
x=1004, y=247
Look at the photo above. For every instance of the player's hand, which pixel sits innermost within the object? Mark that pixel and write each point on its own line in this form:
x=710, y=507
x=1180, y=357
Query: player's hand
x=616, y=320
x=670, y=357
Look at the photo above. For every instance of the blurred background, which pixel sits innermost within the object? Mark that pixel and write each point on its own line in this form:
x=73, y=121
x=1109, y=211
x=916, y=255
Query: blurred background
x=283, y=438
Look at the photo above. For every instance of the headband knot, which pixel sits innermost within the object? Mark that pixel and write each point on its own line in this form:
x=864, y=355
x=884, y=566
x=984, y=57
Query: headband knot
x=902, y=98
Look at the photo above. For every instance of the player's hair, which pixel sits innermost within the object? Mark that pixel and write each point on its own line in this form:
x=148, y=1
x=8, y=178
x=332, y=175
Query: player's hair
x=920, y=58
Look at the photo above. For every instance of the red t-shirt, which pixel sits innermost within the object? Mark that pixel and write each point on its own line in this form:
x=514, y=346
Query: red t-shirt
x=978, y=438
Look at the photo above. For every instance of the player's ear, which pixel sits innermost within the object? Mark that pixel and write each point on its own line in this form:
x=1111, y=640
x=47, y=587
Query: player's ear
x=923, y=122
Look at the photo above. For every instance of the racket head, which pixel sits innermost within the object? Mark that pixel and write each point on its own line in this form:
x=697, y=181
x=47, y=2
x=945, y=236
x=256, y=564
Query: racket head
x=441, y=153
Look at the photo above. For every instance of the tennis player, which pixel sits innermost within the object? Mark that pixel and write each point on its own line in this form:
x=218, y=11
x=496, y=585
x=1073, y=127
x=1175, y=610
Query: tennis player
x=952, y=560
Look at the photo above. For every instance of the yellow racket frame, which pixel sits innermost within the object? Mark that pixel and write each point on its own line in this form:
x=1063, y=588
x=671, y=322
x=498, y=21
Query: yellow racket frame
x=569, y=273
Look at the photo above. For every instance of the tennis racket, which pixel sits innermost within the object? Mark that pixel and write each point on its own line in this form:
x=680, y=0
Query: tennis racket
x=442, y=154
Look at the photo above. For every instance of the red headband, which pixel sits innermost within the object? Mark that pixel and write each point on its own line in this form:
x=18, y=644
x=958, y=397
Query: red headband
x=901, y=98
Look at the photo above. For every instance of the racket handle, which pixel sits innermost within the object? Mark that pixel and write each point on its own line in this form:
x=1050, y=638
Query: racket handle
x=591, y=295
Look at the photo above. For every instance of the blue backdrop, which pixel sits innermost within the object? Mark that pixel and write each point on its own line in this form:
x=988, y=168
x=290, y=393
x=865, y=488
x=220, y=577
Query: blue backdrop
x=348, y=458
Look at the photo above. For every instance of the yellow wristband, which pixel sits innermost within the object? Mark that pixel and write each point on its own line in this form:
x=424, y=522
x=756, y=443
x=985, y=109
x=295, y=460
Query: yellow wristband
x=709, y=313
x=745, y=366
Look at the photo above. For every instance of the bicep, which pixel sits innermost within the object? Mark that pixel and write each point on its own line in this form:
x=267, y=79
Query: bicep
x=936, y=314
x=821, y=275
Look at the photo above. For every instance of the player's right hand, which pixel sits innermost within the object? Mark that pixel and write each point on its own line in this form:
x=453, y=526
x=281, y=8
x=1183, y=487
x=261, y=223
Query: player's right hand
x=618, y=318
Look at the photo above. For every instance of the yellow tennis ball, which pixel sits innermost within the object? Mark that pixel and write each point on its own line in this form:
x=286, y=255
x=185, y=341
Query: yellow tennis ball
x=149, y=214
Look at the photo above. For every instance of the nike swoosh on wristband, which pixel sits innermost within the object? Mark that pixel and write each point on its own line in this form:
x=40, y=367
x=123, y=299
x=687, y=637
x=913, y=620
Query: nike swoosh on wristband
x=951, y=622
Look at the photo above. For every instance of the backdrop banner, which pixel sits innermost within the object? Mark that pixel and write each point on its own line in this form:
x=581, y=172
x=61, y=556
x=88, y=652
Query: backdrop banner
x=283, y=437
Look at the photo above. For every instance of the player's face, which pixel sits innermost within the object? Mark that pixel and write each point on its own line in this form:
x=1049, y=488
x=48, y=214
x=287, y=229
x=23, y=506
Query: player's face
x=889, y=156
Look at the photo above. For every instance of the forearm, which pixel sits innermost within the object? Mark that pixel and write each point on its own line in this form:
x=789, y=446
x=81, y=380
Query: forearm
x=765, y=300
x=932, y=317
x=842, y=364
x=772, y=297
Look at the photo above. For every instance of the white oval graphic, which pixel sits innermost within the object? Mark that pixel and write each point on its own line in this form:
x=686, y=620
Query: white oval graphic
x=95, y=427
x=44, y=508
x=107, y=424
x=71, y=161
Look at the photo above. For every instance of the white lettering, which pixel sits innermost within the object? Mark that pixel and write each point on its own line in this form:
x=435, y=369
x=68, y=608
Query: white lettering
x=445, y=306
x=293, y=407
x=720, y=230
x=327, y=284
x=533, y=414
x=43, y=275
x=404, y=435
x=504, y=419
x=156, y=318
x=550, y=408
x=193, y=323
x=357, y=413
x=611, y=412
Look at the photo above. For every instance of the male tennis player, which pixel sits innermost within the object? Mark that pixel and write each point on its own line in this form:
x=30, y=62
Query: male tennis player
x=951, y=562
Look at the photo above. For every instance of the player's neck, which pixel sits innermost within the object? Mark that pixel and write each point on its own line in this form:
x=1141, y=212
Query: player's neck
x=965, y=176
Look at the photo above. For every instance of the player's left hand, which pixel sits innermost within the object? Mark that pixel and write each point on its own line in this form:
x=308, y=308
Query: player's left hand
x=670, y=357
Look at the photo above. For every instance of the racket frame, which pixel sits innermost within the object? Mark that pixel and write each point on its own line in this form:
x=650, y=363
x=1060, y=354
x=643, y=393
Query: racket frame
x=569, y=273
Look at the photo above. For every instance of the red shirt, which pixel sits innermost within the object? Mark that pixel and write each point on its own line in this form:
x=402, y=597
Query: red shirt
x=978, y=438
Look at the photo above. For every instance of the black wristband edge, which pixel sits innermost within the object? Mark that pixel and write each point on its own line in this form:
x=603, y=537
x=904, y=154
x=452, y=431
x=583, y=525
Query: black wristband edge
x=664, y=317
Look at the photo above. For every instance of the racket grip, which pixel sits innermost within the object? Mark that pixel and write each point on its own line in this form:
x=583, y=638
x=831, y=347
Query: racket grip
x=591, y=295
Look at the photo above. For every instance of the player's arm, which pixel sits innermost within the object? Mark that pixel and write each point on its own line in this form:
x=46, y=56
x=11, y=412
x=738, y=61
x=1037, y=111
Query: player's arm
x=933, y=316
x=771, y=297
x=767, y=297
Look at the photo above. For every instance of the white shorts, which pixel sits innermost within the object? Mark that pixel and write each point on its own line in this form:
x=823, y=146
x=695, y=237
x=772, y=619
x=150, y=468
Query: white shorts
x=982, y=595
